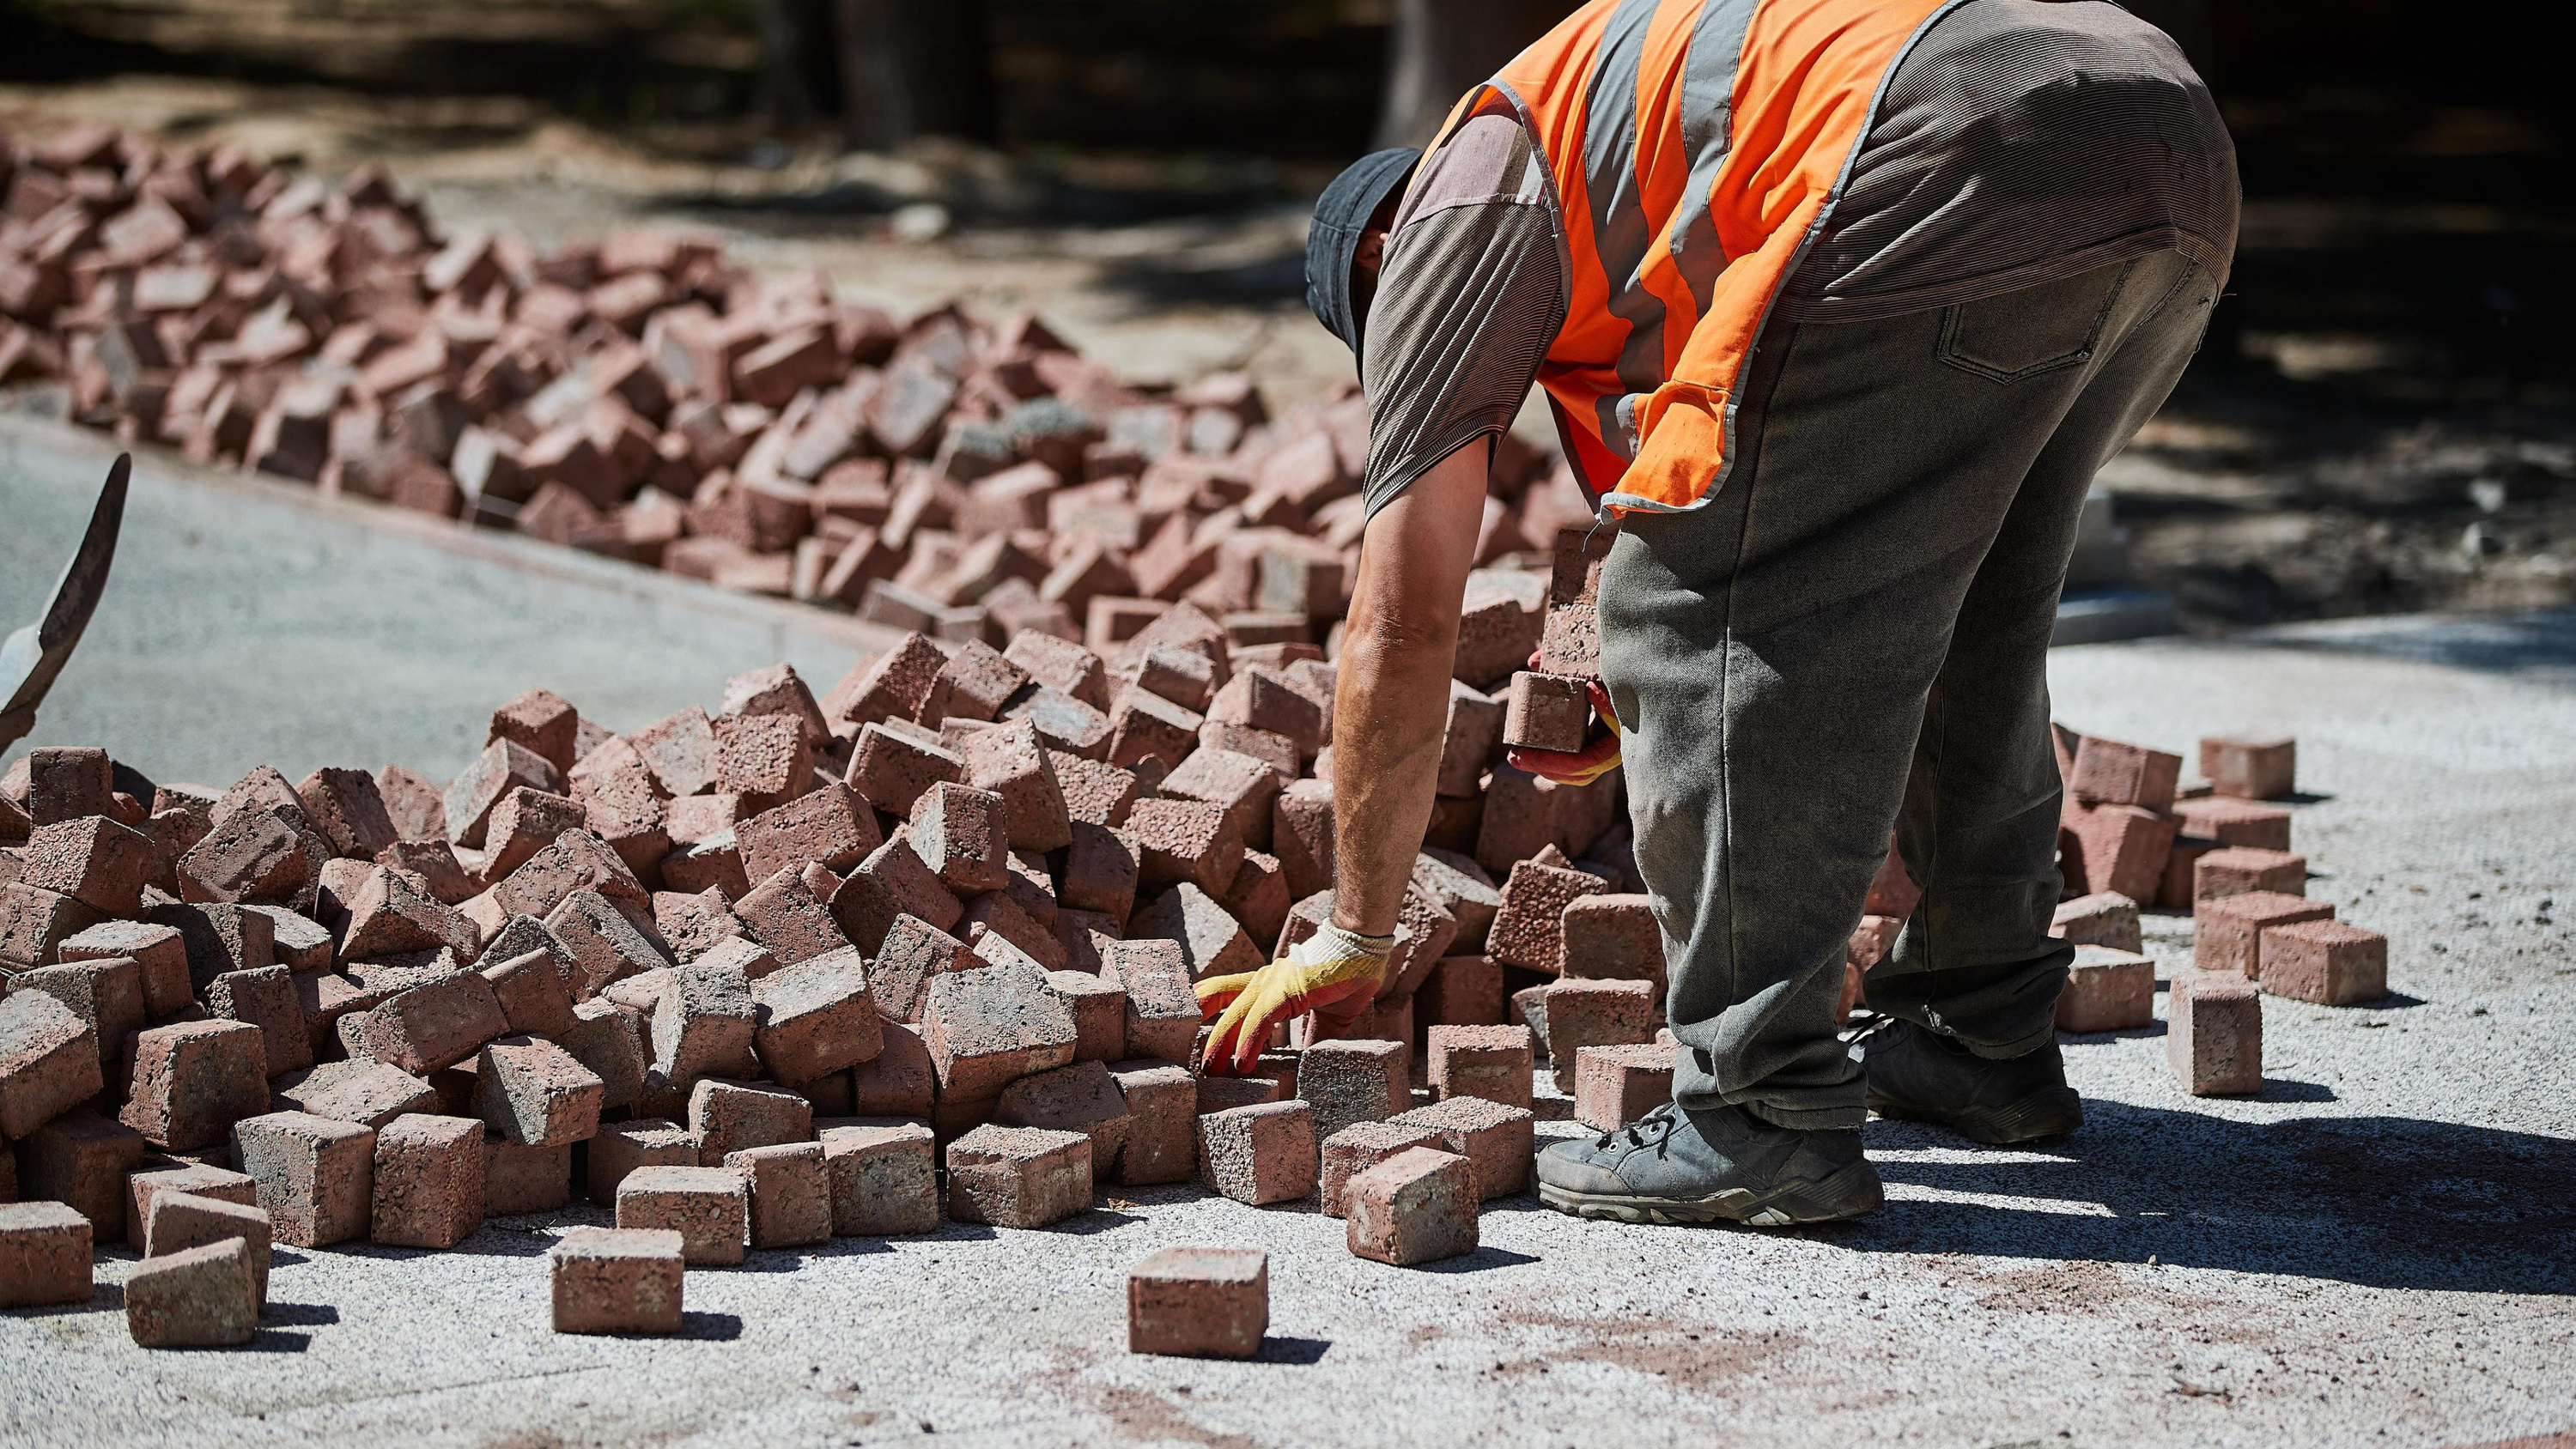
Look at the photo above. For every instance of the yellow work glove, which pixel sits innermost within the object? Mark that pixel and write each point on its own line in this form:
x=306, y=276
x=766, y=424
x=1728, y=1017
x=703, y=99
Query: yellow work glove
x=1333, y=973
x=1577, y=767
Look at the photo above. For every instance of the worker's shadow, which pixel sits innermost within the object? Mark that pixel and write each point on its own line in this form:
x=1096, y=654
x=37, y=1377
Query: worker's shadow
x=2386, y=1202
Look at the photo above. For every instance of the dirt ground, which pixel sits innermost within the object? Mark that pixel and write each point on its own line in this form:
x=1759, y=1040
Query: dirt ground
x=2345, y=445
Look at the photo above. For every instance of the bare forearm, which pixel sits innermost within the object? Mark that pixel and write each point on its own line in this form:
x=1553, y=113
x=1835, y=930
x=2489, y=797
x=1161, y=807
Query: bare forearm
x=1391, y=706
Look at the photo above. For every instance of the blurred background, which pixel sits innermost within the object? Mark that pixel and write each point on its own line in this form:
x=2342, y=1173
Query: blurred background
x=2380, y=421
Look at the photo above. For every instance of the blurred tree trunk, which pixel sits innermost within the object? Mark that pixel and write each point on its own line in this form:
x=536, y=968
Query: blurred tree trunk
x=1438, y=48
x=912, y=68
x=796, y=81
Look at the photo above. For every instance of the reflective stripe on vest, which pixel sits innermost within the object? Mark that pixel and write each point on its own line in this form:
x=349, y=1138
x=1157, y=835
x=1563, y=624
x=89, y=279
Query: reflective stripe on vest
x=1697, y=148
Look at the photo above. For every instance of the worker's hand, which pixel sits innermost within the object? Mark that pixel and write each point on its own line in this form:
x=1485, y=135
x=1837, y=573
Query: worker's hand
x=1333, y=973
x=1577, y=767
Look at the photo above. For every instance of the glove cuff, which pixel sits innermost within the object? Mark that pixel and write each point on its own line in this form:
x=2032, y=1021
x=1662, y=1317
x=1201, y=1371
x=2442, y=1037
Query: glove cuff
x=1334, y=941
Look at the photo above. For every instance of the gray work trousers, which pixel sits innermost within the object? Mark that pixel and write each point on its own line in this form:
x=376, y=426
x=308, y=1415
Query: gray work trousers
x=1851, y=635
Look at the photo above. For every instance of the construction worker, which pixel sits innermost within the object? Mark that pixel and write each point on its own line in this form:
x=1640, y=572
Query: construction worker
x=1839, y=305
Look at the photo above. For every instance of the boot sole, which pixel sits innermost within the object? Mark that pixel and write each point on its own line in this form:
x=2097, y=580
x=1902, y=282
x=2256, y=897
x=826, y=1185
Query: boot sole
x=1847, y=1194
x=2049, y=1112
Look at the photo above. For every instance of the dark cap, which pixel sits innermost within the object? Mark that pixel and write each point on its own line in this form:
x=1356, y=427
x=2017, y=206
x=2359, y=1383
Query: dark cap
x=1341, y=214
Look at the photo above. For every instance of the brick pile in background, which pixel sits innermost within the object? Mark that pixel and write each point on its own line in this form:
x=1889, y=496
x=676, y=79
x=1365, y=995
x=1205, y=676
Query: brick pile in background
x=642, y=397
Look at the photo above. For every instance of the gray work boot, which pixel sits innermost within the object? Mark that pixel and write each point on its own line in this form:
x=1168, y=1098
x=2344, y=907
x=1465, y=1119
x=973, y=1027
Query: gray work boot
x=1679, y=1166
x=1927, y=1077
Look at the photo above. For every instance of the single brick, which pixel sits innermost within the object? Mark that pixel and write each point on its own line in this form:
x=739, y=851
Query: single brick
x=541, y=722
x=2241, y=870
x=1199, y=1302
x=428, y=1190
x=1596, y=1013
x=182, y=1221
x=2120, y=848
x=1240, y=785
x=1473, y=735
x=191, y=1081
x=2226, y=932
x=504, y=765
x=1212, y=941
x=704, y=1020
x=1529, y=931
x=577, y=861
x=417, y=807
x=2231, y=821
x=44, y=1255
x=1162, y=1112
x=1357, y=1148
x=1461, y=991
x=2107, y=990
x=728, y=1117
x=65, y=783
x=1354, y=1081
x=534, y=995
x=1080, y=1098
x=81, y=1158
x=1492, y=1062
x=535, y=1093
x=1416, y=1207
x=316, y=1177
x=709, y=1207
x=159, y=953
x=93, y=860
x=988, y=1027
x=815, y=1018
x=267, y=999
x=34, y=923
x=1018, y=1177
x=1263, y=701
x=521, y=1179
x=1546, y=712
x=1099, y=1011
x=2108, y=919
x=435, y=1024
x=962, y=835
x=47, y=1061
x=605, y=946
x=299, y=942
x=1186, y=841
x=998, y=914
x=1010, y=762
x=617, y=1280
x=2327, y=962
x=1613, y=938
x=220, y=937
x=1616, y=1085
x=791, y=1197
x=348, y=807
x=106, y=997
x=2214, y=1037
x=1263, y=1153
x=763, y=758
x=525, y=822
x=2250, y=769
x=1221, y=1094
x=831, y=826
x=892, y=768
x=201, y=1298
x=900, y=1081
x=2109, y=772
x=166, y=1175
x=1144, y=725
x=1496, y=1138
x=882, y=1174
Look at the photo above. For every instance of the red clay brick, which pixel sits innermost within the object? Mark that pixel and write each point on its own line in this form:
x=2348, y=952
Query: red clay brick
x=617, y=1280
x=1492, y=1062
x=428, y=1181
x=2324, y=961
x=1011, y=762
x=82, y=1159
x=44, y=1255
x=191, y=1081
x=815, y=1018
x=1613, y=938
x=2214, y=1039
x=2109, y=772
x=504, y=765
x=2250, y=769
x=1351, y=1081
x=2108, y=919
x=1019, y=1177
x=535, y=1093
x=541, y=722
x=2107, y=990
x=2118, y=848
x=763, y=758
x=1197, y=1302
x=199, y=1298
x=1529, y=931
x=1212, y=941
x=93, y=860
x=791, y=1197
x=159, y=953
x=708, y=1207
x=1301, y=835
x=1616, y=1085
x=727, y=1117
x=882, y=1174
x=1418, y=1206
x=893, y=770
x=2232, y=821
x=1262, y=1153
x=316, y=1177
x=1494, y=1137
x=2241, y=870
x=989, y=1027
x=962, y=834
x=180, y=1222
x=1595, y=1013
x=1186, y=841
x=783, y=915
x=157, y=1175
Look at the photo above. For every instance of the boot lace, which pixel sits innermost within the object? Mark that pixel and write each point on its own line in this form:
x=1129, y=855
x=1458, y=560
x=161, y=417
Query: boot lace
x=1655, y=1130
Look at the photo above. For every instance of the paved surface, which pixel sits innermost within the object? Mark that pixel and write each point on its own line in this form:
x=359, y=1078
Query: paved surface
x=2374, y=1251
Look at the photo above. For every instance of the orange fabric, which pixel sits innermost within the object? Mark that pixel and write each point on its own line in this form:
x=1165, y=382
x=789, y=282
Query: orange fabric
x=1804, y=84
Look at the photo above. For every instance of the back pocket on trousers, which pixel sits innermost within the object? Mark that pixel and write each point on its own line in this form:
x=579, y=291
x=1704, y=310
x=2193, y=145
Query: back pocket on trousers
x=2033, y=330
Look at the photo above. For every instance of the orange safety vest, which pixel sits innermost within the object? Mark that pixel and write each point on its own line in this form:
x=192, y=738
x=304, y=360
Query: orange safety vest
x=1698, y=147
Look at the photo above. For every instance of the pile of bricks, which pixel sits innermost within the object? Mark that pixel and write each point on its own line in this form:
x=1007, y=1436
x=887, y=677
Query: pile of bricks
x=642, y=397
x=922, y=947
